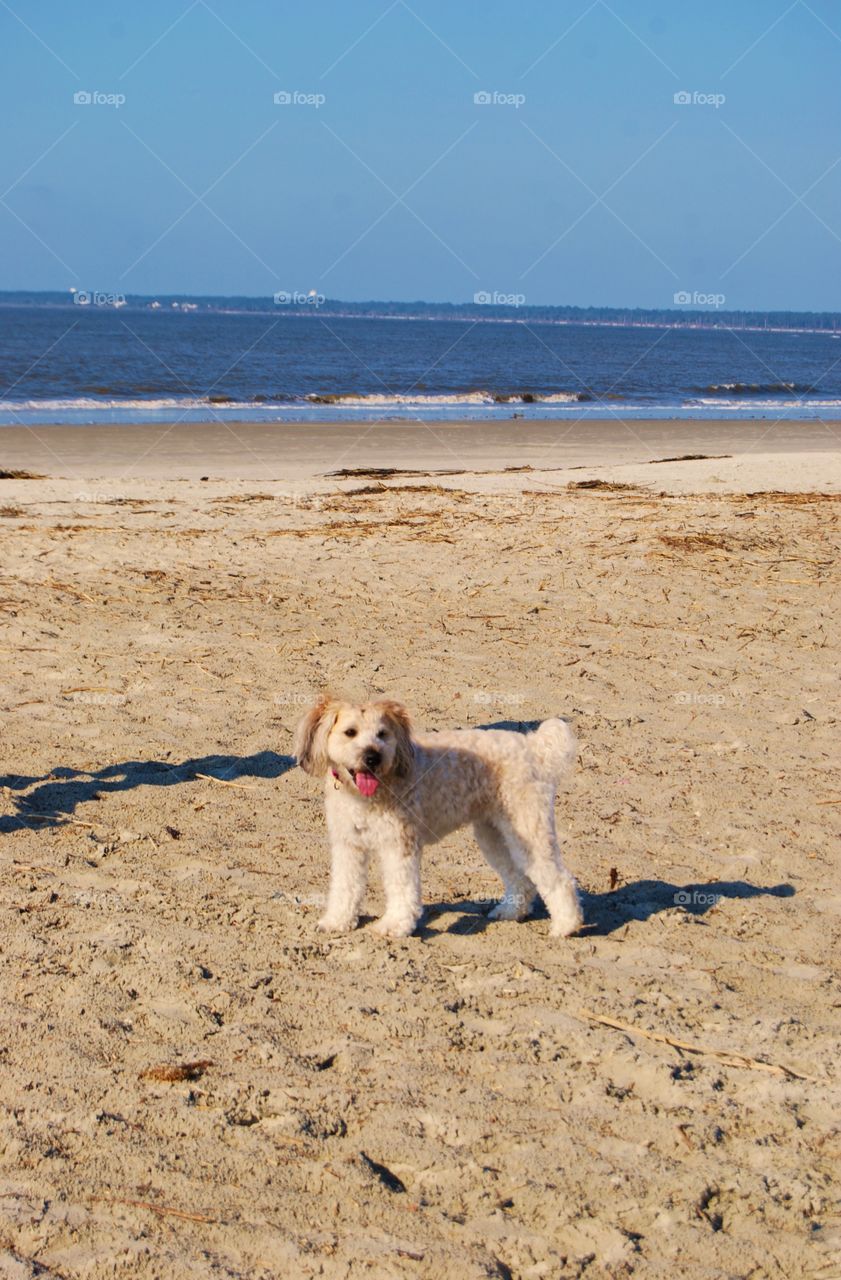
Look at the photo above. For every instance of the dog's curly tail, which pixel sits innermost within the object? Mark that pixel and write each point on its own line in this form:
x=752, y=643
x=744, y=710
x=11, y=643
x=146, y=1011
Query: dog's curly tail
x=554, y=748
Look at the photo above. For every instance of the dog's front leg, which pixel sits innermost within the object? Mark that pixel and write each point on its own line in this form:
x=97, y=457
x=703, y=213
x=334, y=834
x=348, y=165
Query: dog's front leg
x=400, y=858
x=348, y=879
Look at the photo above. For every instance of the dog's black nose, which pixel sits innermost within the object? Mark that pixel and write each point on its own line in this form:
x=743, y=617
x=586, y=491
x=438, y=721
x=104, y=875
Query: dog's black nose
x=371, y=758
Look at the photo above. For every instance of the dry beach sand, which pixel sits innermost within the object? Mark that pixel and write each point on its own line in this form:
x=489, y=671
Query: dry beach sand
x=194, y=1083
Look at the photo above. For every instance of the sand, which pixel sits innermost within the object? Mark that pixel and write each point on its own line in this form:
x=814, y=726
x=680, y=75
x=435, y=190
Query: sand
x=297, y=452
x=195, y=1083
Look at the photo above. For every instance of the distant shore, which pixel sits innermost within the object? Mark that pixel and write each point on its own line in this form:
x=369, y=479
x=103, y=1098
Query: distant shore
x=691, y=310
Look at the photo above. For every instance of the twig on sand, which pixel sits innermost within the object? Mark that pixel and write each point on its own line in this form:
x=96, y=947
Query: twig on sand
x=88, y=688
x=729, y=1059
x=73, y=591
x=163, y=1210
x=36, y=1268
x=223, y=782
x=60, y=819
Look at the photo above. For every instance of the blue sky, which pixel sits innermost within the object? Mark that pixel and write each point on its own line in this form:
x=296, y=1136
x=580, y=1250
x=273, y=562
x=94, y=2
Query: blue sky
x=581, y=181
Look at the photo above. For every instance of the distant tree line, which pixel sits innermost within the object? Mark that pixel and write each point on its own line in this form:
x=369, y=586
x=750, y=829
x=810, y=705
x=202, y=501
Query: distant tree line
x=302, y=304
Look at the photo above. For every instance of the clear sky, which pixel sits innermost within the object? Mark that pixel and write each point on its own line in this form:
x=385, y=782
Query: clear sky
x=581, y=180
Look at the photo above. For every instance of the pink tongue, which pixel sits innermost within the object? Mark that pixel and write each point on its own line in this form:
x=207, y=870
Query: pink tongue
x=367, y=783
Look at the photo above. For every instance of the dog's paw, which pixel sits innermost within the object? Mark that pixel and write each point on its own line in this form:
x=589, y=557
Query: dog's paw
x=565, y=926
x=337, y=924
x=510, y=909
x=395, y=926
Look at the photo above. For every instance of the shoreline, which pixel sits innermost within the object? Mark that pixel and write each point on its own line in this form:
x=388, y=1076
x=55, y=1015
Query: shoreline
x=735, y=456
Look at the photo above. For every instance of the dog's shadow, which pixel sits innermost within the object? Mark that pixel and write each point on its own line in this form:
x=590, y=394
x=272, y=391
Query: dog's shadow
x=64, y=789
x=605, y=913
x=512, y=726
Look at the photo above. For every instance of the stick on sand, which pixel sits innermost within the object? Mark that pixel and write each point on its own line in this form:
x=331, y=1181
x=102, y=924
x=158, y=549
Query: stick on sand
x=729, y=1059
x=223, y=782
x=160, y=1209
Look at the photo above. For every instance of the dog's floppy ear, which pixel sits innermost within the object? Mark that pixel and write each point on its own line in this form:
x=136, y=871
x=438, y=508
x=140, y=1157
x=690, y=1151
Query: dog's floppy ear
x=310, y=742
x=401, y=724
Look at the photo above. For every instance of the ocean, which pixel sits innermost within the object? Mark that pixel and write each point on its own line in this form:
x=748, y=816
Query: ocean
x=137, y=363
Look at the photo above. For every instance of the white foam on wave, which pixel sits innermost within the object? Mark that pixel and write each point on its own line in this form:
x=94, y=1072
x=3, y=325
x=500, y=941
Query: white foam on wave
x=339, y=401
x=72, y=403
x=750, y=404
x=376, y=399
x=447, y=399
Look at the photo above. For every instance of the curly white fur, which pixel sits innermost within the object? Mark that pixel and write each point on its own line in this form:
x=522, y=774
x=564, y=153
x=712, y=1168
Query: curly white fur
x=391, y=792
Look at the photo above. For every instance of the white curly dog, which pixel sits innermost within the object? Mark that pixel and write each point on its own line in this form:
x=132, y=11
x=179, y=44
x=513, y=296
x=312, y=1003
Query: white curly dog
x=392, y=791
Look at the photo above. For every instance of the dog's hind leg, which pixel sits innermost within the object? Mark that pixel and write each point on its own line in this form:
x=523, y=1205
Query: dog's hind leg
x=534, y=849
x=518, y=890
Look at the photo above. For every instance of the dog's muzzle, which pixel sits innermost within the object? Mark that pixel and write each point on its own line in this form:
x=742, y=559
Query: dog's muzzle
x=366, y=781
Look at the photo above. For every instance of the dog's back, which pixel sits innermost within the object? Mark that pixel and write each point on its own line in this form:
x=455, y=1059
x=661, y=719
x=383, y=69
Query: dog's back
x=461, y=773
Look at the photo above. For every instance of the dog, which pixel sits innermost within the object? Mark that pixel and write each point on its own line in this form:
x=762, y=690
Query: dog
x=391, y=791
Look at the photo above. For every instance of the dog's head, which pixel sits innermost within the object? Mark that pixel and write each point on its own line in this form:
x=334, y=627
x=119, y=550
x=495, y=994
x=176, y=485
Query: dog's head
x=363, y=745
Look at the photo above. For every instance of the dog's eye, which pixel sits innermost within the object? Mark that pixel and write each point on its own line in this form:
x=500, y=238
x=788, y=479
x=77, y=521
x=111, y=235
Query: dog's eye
x=382, y=733
x=350, y=733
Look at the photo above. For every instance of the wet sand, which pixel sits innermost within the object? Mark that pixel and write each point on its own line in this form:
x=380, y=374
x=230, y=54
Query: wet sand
x=295, y=451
